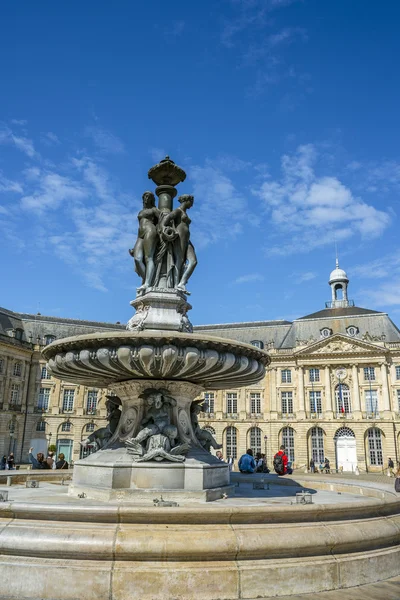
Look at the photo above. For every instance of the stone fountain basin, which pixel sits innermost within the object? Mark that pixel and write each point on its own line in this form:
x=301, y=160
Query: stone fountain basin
x=100, y=359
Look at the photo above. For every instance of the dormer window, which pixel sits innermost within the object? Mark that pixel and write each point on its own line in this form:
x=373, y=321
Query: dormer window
x=48, y=339
x=352, y=330
x=18, y=334
x=326, y=332
x=257, y=344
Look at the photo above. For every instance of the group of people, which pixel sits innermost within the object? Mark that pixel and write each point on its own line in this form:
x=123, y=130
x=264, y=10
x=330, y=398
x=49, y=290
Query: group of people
x=230, y=460
x=41, y=462
x=250, y=464
x=321, y=468
x=7, y=462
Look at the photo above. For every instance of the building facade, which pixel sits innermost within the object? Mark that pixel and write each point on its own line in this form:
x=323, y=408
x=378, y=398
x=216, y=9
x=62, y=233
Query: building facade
x=332, y=389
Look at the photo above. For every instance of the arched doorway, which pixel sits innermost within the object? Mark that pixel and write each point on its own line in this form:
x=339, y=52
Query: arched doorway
x=288, y=442
x=254, y=439
x=346, y=452
x=231, y=442
x=317, y=445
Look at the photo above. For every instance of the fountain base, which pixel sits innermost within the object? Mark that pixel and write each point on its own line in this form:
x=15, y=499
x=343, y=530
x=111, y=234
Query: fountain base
x=114, y=475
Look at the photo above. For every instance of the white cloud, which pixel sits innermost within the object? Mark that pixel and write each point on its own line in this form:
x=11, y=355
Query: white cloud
x=105, y=140
x=53, y=190
x=220, y=204
x=6, y=185
x=308, y=276
x=250, y=278
x=19, y=121
x=23, y=144
x=157, y=154
x=50, y=139
x=315, y=210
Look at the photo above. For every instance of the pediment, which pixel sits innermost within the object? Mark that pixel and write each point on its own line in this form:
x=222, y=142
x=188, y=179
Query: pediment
x=340, y=344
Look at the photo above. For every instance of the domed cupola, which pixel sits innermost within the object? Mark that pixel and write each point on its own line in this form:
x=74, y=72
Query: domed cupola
x=339, y=281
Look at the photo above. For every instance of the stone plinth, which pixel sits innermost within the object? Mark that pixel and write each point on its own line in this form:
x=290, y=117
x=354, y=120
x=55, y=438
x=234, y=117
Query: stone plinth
x=160, y=309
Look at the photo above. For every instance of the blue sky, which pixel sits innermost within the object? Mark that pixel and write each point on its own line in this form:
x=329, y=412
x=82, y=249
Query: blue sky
x=284, y=114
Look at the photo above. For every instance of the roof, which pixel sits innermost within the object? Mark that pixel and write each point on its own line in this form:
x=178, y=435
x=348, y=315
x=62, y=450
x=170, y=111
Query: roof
x=347, y=311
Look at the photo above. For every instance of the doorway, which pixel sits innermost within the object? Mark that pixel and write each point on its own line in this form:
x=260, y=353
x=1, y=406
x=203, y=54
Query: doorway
x=346, y=452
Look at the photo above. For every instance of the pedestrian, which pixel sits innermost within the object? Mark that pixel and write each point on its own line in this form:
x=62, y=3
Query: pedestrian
x=247, y=463
x=312, y=465
x=11, y=461
x=390, y=468
x=50, y=460
x=281, y=462
x=39, y=462
x=231, y=463
x=264, y=459
x=327, y=466
x=61, y=463
x=3, y=463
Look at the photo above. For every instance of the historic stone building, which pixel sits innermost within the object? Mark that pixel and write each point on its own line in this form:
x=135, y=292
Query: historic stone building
x=332, y=389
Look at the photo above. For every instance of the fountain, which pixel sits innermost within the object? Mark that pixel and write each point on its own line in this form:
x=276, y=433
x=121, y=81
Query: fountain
x=156, y=369
x=152, y=514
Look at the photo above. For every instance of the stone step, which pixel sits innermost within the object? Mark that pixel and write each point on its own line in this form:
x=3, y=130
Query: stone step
x=383, y=590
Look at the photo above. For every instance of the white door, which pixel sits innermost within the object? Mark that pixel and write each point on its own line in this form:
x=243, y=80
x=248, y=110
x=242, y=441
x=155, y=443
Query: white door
x=346, y=454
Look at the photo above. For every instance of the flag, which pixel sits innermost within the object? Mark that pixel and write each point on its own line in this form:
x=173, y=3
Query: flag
x=341, y=398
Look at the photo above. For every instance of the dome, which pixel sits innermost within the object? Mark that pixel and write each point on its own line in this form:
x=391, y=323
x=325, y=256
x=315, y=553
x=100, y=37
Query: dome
x=338, y=275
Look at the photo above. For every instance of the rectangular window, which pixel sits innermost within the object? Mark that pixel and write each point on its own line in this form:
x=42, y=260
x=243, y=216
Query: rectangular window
x=369, y=373
x=286, y=376
x=255, y=403
x=397, y=372
x=90, y=427
x=66, y=426
x=91, y=404
x=1, y=365
x=68, y=400
x=371, y=401
x=44, y=399
x=45, y=374
x=231, y=402
x=14, y=398
x=398, y=400
x=315, y=402
x=287, y=402
x=314, y=375
x=209, y=401
x=17, y=369
x=41, y=426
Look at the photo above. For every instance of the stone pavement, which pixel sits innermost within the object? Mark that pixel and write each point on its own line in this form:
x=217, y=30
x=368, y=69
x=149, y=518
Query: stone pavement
x=383, y=590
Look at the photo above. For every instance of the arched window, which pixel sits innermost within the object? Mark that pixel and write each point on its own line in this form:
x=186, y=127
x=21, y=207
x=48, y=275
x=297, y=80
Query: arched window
x=210, y=429
x=231, y=442
x=343, y=400
x=375, y=446
x=90, y=427
x=66, y=426
x=344, y=432
x=41, y=426
x=338, y=291
x=317, y=444
x=288, y=442
x=255, y=435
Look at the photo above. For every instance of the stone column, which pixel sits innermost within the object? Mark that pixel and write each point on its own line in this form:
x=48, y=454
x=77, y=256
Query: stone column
x=273, y=390
x=328, y=393
x=356, y=389
x=300, y=380
x=385, y=388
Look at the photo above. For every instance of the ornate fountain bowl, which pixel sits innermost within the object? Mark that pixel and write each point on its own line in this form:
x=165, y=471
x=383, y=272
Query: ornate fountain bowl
x=102, y=359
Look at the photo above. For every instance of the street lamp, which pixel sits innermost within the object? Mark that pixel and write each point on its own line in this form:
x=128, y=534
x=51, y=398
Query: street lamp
x=12, y=431
x=265, y=448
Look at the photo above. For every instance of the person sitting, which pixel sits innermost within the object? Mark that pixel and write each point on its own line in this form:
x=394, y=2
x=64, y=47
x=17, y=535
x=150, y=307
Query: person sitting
x=246, y=462
x=327, y=466
x=39, y=462
x=281, y=462
x=61, y=463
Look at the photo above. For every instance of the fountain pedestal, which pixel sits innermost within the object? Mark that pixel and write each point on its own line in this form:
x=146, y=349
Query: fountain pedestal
x=113, y=472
